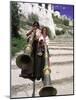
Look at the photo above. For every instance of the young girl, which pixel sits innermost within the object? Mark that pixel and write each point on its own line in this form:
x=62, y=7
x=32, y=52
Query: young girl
x=43, y=40
x=44, y=35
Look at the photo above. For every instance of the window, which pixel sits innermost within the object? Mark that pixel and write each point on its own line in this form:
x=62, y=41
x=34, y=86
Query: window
x=40, y=4
x=46, y=6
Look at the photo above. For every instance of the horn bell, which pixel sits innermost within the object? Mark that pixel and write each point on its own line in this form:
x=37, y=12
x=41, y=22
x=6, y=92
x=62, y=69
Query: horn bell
x=23, y=61
x=47, y=91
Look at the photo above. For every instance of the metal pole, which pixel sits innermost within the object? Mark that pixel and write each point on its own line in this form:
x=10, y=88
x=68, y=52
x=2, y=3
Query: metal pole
x=33, y=94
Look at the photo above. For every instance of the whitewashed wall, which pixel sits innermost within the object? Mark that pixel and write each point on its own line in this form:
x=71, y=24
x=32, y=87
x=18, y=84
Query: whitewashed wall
x=45, y=15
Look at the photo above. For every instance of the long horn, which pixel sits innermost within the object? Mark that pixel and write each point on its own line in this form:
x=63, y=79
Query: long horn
x=25, y=58
x=47, y=89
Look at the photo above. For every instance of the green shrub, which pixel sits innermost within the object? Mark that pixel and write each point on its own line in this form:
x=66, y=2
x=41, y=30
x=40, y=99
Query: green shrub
x=66, y=22
x=60, y=21
x=63, y=31
x=17, y=44
x=15, y=18
x=57, y=20
x=49, y=32
x=23, y=24
x=60, y=32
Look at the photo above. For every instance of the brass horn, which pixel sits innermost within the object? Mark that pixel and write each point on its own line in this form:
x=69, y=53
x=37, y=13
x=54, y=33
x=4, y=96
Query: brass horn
x=25, y=58
x=24, y=61
x=47, y=89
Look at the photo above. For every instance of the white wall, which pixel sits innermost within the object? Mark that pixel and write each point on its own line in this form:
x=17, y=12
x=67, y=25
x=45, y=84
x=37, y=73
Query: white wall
x=45, y=15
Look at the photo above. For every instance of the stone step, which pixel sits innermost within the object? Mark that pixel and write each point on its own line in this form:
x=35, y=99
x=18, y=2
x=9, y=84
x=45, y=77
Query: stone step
x=62, y=63
x=61, y=38
x=60, y=52
x=57, y=57
x=67, y=44
x=59, y=47
x=57, y=73
x=55, y=60
x=60, y=55
x=61, y=59
x=15, y=67
x=61, y=71
x=60, y=44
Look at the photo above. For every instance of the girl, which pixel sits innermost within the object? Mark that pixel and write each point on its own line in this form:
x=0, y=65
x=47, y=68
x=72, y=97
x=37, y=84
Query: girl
x=43, y=40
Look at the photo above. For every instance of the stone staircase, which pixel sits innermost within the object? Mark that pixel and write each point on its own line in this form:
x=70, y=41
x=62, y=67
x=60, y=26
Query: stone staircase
x=61, y=56
x=61, y=50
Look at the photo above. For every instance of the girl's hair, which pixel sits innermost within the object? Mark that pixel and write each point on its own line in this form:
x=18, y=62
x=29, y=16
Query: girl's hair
x=46, y=30
x=36, y=24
